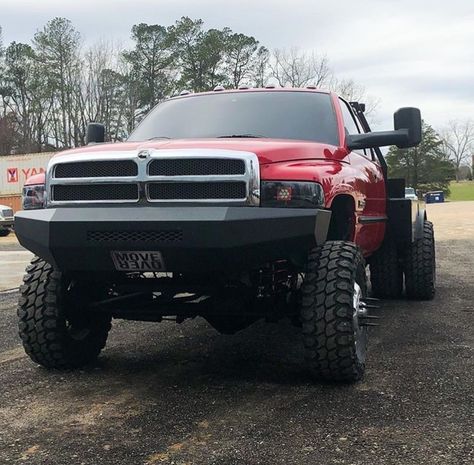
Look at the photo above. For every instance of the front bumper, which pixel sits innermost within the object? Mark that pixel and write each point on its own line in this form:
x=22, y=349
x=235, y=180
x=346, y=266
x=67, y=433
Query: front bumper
x=191, y=239
x=6, y=223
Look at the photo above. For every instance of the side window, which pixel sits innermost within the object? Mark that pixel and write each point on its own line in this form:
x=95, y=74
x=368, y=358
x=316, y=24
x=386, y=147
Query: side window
x=352, y=126
x=349, y=121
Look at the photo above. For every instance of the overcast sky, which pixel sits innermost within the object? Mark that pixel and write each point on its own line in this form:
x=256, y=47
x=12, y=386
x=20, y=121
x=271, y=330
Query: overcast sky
x=418, y=52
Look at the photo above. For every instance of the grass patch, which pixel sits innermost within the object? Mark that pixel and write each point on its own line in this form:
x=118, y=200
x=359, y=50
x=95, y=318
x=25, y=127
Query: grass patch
x=463, y=190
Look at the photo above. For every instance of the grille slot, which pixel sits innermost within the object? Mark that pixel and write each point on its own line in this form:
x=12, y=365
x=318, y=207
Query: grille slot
x=94, y=192
x=7, y=213
x=196, y=190
x=196, y=167
x=97, y=169
x=168, y=237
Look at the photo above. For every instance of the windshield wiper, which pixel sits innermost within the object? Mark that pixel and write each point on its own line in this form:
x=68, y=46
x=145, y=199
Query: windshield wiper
x=250, y=136
x=159, y=137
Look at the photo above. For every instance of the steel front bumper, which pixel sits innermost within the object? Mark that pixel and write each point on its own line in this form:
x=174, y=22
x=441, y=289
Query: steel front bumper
x=190, y=238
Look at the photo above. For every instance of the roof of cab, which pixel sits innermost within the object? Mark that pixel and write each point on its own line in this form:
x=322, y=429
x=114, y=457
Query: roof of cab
x=221, y=90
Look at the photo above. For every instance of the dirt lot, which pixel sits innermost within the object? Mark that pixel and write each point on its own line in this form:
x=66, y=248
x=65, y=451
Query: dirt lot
x=162, y=393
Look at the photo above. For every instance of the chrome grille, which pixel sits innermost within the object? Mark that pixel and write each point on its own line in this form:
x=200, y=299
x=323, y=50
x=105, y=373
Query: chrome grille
x=196, y=167
x=136, y=236
x=97, y=169
x=154, y=176
x=94, y=192
x=7, y=212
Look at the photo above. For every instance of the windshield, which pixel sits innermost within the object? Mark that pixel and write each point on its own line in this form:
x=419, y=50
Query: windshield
x=277, y=115
x=409, y=191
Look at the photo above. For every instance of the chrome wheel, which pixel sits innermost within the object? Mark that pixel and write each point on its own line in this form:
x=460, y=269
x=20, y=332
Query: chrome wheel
x=359, y=327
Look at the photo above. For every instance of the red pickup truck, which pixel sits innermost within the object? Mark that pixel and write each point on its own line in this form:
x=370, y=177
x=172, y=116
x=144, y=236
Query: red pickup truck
x=234, y=206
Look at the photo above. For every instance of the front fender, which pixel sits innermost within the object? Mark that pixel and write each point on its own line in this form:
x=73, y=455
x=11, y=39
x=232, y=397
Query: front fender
x=331, y=174
x=418, y=218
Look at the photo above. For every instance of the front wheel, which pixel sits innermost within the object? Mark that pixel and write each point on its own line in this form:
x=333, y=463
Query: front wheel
x=55, y=330
x=333, y=312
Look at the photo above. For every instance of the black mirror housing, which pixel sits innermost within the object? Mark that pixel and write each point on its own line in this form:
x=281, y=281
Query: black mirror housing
x=407, y=133
x=95, y=133
x=409, y=118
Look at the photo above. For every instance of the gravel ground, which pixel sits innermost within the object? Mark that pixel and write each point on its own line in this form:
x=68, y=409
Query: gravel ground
x=13, y=260
x=163, y=393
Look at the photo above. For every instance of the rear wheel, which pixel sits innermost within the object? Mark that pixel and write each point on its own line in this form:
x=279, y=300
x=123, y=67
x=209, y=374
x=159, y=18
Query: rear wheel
x=386, y=272
x=420, y=266
x=333, y=312
x=4, y=232
x=55, y=330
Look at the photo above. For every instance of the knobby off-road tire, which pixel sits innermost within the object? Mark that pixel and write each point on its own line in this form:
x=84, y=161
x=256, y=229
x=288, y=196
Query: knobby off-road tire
x=420, y=266
x=335, y=343
x=56, y=333
x=386, y=272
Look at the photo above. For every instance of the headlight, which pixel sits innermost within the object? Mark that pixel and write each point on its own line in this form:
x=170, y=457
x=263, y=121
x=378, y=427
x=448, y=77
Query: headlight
x=293, y=194
x=33, y=196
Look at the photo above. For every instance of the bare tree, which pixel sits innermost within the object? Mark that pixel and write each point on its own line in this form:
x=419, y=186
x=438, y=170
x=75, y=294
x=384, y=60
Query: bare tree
x=50, y=89
x=458, y=142
x=296, y=68
x=260, y=73
x=103, y=93
x=465, y=172
x=3, y=110
x=353, y=92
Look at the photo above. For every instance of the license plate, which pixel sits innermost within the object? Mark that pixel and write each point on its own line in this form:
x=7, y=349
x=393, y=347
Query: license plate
x=138, y=260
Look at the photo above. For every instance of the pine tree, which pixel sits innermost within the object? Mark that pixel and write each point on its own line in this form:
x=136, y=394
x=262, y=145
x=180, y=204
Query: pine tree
x=424, y=167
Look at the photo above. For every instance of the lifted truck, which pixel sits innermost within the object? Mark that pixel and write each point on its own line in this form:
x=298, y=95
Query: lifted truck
x=230, y=205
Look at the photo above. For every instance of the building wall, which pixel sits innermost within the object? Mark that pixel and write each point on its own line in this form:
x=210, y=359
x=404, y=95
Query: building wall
x=16, y=169
x=12, y=201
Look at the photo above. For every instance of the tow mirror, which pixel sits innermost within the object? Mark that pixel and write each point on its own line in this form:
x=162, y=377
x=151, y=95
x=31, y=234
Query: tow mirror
x=408, y=119
x=95, y=133
x=407, y=132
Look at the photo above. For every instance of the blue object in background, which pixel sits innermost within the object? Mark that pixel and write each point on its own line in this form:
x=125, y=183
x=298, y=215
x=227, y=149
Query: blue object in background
x=434, y=197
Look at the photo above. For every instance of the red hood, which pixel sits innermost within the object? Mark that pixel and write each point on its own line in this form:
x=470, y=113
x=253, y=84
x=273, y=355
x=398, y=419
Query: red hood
x=35, y=179
x=267, y=150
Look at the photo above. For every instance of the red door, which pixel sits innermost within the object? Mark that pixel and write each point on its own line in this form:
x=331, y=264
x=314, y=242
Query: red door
x=369, y=189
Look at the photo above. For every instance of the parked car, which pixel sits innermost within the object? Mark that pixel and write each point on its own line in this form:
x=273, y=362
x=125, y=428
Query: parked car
x=231, y=205
x=410, y=193
x=6, y=220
